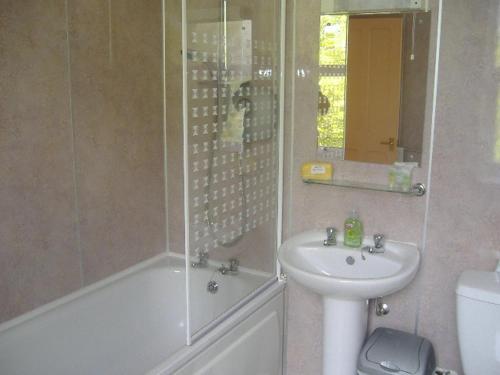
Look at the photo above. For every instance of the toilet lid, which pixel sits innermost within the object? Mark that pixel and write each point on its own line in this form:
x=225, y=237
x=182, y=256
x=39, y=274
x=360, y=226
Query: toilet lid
x=480, y=285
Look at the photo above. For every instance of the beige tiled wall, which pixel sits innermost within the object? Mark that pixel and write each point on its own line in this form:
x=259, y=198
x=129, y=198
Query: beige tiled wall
x=117, y=101
x=464, y=209
x=81, y=145
x=39, y=259
x=464, y=214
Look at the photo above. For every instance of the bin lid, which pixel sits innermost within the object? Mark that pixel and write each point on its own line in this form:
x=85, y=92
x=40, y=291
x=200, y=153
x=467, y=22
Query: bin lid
x=480, y=285
x=396, y=351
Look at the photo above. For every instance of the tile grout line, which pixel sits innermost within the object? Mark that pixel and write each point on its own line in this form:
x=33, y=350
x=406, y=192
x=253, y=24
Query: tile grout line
x=431, y=152
x=76, y=219
x=110, y=33
x=165, y=155
x=288, y=156
x=291, y=160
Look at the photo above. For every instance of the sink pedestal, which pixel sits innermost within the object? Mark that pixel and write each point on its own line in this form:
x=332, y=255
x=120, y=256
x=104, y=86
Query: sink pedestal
x=346, y=279
x=344, y=331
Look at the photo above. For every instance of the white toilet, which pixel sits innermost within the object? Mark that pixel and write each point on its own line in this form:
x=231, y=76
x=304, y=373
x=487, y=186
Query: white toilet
x=478, y=320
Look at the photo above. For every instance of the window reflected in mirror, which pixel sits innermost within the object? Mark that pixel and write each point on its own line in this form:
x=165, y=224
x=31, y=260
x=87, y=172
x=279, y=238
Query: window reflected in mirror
x=332, y=81
x=372, y=86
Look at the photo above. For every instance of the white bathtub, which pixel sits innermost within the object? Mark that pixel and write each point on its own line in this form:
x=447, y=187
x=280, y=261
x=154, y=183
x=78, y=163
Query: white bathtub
x=135, y=323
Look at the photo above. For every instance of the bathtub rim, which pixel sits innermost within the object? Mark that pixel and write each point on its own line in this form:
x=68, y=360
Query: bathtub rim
x=79, y=293
x=201, y=340
x=110, y=280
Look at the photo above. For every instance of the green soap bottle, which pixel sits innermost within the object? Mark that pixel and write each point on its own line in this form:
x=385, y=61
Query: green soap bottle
x=353, y=230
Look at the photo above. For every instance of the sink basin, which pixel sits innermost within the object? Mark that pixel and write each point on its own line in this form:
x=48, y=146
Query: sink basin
x=341, y=272
x=346, y=278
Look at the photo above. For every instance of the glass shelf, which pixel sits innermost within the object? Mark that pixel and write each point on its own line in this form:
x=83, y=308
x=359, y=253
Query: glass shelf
x=417, y=189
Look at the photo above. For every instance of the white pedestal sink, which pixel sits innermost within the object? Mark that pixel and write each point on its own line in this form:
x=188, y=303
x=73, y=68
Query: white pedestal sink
x=346, y=282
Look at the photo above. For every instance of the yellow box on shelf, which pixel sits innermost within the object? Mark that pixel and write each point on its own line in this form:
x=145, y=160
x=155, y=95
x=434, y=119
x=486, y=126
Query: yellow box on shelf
x=317, y=171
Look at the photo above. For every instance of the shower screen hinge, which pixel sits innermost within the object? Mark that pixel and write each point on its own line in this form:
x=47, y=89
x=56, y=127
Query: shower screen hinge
x=283, y=277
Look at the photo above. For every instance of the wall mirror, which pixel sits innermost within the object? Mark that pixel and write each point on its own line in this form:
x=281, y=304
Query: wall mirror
x=373, y=84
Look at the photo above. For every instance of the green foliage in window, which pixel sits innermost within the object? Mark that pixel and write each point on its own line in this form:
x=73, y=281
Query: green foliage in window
x=333, y=43
x=331, y=125
x=333, y=40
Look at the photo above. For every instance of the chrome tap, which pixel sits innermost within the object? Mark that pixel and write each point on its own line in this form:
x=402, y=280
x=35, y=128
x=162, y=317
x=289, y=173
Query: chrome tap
x=378, y=248
x=202, y=260
x=379, y=241
x=233, y=268
x=331, y=237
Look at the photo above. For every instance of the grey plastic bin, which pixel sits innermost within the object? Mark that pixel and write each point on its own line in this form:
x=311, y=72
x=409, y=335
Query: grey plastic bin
x=388, y=351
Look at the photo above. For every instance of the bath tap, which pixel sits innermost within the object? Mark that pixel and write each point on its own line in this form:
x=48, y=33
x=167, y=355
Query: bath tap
x=331, y=237
x=202, y=260
x=378, y=248
x=233, y=268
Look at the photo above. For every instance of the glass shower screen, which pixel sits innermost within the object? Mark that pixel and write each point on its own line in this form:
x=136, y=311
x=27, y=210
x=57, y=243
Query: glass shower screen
x=232, y=66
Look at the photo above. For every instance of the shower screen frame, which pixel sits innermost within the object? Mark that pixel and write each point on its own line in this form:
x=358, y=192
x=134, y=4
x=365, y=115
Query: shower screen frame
x=190, y=336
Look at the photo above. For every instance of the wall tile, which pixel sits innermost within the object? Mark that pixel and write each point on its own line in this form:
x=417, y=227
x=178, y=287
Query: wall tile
x=464, y=214
x=305, y=325
x=116, y=62
x=39, y=259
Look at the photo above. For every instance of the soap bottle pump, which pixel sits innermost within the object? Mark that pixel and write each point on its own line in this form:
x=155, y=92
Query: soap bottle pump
x=353, y=230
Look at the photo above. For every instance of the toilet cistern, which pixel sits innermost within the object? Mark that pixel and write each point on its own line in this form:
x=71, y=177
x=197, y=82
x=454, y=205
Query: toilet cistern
x=478, y=321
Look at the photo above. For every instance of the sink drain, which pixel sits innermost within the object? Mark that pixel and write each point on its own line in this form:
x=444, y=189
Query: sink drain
x=350, y=260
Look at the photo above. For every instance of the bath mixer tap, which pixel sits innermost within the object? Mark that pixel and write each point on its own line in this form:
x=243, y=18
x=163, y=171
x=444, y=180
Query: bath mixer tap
x=331, y=237
x=233, y=268
x=202, y=260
